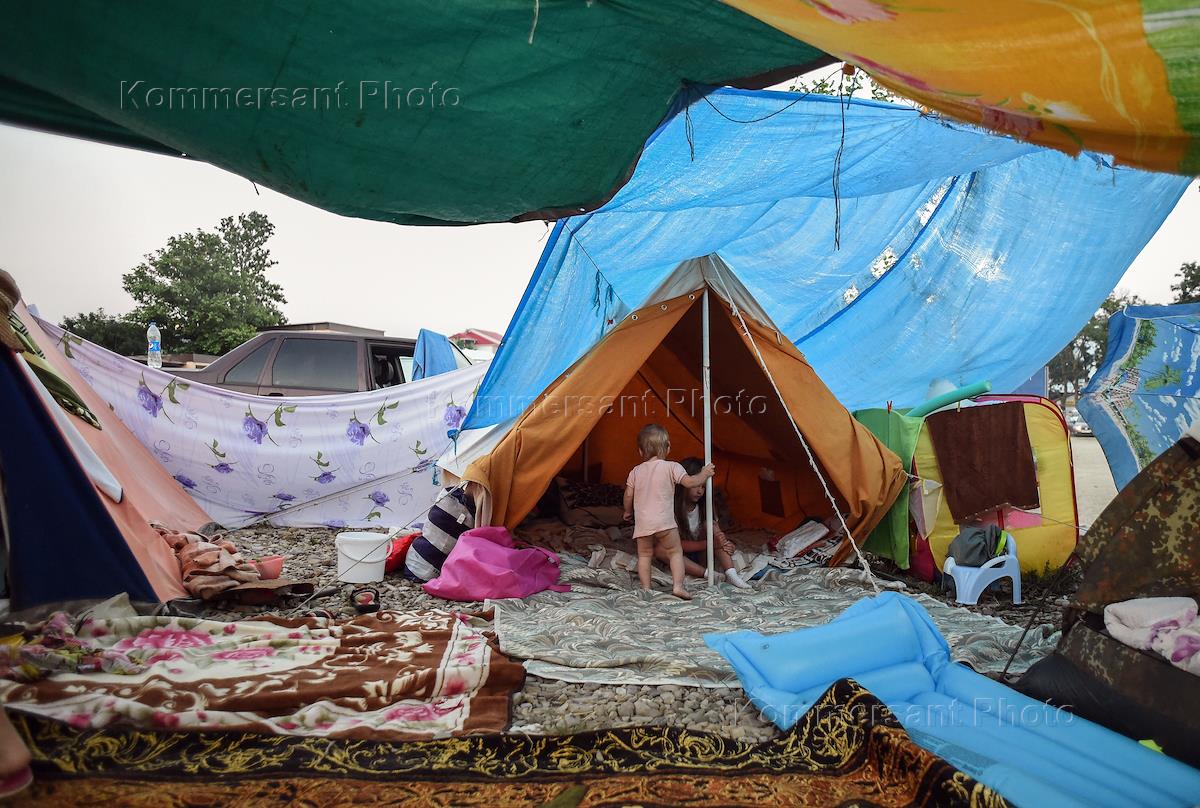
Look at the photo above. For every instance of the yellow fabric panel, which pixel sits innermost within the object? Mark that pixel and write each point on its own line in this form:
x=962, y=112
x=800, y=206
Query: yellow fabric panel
x=1055, y=540
x=1069, y=74
x=1039, y=548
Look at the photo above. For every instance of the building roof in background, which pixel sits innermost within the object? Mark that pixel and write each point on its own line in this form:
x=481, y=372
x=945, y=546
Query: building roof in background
x=481, y=336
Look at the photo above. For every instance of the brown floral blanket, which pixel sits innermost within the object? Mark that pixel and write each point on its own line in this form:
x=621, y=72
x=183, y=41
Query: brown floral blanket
x=386, y=676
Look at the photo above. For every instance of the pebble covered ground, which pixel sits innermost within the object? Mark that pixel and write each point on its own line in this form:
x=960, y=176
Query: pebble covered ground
x=545, y=706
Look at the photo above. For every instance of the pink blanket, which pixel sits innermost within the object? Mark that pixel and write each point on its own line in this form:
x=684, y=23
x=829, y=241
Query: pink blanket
x=1166, y=626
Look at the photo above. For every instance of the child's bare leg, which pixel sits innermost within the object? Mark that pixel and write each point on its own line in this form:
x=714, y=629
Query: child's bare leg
x=669, y=539
x=723, y=559
x=645, y=547
x=689, y=567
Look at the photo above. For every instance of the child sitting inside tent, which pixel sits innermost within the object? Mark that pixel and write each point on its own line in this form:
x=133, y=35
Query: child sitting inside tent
x=649, y=501
x=689, y=518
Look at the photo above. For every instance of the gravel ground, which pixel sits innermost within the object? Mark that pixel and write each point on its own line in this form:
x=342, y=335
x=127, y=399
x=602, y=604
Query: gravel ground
x=546, y=706
x=309, y=555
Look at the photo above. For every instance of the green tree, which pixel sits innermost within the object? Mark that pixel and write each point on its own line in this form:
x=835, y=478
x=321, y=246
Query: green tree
x=208, y=291
x=1074, y=365
x=1188, y=288
x=117, y=332
x=845, y=81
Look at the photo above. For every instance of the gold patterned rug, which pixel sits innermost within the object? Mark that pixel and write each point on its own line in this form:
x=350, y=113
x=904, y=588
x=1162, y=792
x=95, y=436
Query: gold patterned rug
x=848, y=750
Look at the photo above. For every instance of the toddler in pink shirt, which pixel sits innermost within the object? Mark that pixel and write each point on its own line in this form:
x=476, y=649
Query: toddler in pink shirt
x=650, y=502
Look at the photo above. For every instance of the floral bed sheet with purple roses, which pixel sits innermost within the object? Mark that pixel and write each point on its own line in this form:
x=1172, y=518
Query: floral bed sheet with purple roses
x=353, y=460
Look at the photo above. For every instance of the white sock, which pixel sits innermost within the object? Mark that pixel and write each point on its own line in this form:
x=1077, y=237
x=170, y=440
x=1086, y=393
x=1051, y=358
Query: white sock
x=732, y=576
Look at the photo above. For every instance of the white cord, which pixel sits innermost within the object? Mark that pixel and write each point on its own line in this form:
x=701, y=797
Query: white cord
x=1083, y=528
x=811, y=460
x=266, y=518
x=536, y=9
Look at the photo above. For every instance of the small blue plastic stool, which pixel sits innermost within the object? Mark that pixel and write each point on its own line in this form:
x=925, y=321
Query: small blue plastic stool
x=969, y=582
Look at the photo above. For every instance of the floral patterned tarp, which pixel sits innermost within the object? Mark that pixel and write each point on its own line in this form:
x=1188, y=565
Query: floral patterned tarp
x=351, y=460
x=606, y=630
x=1146, y=394
x=387, y=676
x=1115, y=76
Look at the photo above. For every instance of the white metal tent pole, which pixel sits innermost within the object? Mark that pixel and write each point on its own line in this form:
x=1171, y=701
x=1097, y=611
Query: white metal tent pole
x=708, y=485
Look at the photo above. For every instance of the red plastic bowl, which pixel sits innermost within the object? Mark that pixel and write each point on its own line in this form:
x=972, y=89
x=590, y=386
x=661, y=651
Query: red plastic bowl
x=269, y=567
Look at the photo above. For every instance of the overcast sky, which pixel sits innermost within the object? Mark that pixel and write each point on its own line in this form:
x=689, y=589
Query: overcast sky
x=76, y=215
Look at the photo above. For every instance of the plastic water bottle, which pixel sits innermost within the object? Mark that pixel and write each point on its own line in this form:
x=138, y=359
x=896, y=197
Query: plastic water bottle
x=153, y=346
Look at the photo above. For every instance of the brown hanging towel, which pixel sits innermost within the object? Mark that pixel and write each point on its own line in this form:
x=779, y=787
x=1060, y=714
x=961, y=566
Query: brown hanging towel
x=985, y=458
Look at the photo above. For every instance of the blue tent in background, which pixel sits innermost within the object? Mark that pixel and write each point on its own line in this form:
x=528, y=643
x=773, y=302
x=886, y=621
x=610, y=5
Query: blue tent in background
x=892, y=247
x=1147, y=392
x=1036, y=385
x=432, y=355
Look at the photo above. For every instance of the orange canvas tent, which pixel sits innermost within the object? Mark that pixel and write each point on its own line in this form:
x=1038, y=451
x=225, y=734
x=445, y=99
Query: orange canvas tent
x=648, y=369
x=115, y=548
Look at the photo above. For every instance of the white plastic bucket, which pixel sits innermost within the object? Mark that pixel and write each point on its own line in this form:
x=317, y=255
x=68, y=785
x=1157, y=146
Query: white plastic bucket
x=361, y=556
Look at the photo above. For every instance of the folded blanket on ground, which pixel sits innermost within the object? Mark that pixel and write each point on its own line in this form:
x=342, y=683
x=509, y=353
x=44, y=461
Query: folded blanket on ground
x=388, y=675
x=209, y=566
x=1167, y=626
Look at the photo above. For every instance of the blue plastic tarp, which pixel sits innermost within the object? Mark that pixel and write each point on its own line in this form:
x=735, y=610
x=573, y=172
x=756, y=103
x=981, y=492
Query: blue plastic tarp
x=432, y=355
x=906, y=250
x=1147, y=392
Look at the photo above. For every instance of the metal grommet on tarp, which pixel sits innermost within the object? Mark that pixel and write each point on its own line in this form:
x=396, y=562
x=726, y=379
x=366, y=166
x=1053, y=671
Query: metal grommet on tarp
x=633, y=317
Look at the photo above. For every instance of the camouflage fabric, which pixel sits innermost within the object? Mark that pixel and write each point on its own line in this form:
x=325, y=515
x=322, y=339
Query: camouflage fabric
x=1147, y=541
x=1145, y=544
x=1148, y=681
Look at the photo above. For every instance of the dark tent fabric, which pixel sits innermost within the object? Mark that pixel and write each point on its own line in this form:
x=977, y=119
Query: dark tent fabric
x=62, y=543
x=452, y=112
x=1145, y=544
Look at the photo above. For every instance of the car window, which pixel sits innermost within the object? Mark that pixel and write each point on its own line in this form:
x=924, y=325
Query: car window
x=248, y=370
x=406, y=362
x=319, y=364
x=460, y=358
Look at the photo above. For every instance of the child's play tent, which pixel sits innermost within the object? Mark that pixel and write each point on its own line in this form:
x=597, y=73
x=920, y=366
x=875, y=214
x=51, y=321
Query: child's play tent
x=1046, y=535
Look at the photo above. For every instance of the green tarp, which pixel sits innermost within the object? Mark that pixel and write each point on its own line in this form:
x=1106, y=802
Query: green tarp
x=417, y=113
x=898, y=433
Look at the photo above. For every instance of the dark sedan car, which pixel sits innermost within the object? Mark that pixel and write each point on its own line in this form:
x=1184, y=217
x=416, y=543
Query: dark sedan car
x=302, y=363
